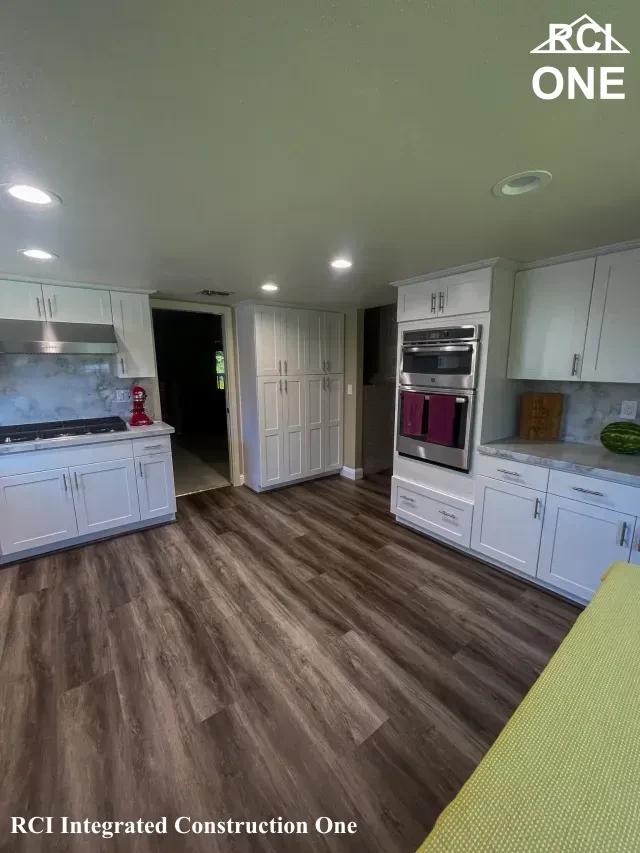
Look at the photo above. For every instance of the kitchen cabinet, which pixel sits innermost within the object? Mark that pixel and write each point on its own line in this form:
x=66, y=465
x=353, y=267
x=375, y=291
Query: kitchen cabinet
x=334, y=396
x=269, y=348
x=579, y=543
x=316, y=423
x=507, y=523
x=446, y=516
x=294, y=333
x=460, y=293
x=612, y=348
x=36, y=509
x=105, y=495
x=315, y=344
x=334, y=342
x=132, y=324
x=294, y=449
x=156, y=489
x=549, y=324
x=271, y=431
x=21, y=300
x=76, y=304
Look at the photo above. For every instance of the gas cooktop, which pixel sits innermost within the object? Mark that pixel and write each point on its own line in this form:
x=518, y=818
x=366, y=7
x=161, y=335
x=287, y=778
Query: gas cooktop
x=60, y=429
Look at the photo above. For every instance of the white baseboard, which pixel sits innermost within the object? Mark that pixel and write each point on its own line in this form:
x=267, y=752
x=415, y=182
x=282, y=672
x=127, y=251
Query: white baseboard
x=351, y=473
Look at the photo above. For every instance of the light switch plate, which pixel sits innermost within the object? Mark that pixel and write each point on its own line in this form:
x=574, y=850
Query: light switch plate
x=123, y=395
x=349, y=389
x=629, y=410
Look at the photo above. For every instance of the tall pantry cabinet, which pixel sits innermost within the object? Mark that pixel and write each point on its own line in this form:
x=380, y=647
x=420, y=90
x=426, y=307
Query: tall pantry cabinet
x=291, y=364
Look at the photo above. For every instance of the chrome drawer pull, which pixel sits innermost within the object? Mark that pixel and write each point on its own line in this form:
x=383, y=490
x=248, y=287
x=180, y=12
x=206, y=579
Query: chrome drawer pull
x=154, y=447
x=537, y=508
x=510, y=473
x=408, y=500
x=447, y=514
x=588, y=492
x=623, y=533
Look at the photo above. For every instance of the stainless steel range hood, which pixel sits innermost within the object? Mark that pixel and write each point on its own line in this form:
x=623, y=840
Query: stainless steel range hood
x=35, y=336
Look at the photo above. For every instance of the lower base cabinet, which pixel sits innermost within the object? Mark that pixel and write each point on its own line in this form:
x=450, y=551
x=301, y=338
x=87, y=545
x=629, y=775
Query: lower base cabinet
x=579, y=542
x=446, y=516
x=36, y=510
x=507, y=523
x=156, y=488
x=105, y=495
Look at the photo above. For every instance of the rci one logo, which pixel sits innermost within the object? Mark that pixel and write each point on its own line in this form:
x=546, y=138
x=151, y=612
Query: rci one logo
x=582, y=36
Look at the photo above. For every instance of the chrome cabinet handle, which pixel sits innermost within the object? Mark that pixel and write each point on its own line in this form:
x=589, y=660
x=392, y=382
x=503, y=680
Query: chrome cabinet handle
x=574, y=367
x=407, y=500
x=122, y=363
x=623, y=533
x=153, y=446
x=75, y=477
x=64, y=480
x=447, y=514
x=280, y=384
x=441, y=301
x=433, y=303
x=286, y=390
x=280, y=366
x=38, y=304
x=638, y=544
x=50, y=308
x=285, y=367
x=588, y=492
x=141, y=472
x=510, y=473
x=537, y=508
x=328, y=366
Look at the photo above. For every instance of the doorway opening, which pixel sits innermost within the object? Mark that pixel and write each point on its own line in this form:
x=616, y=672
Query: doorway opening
x=193, y=385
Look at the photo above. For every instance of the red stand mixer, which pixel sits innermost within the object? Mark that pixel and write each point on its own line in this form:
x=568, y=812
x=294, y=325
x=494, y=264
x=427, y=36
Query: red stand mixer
x=139, y=417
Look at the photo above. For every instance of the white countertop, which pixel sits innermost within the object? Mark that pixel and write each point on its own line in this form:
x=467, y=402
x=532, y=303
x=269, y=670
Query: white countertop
x=158, y=428
x=593, y=460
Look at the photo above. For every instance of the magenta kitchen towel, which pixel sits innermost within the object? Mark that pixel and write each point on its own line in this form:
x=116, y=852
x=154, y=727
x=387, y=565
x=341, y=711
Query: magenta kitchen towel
x=412, y=413
x=441, y=420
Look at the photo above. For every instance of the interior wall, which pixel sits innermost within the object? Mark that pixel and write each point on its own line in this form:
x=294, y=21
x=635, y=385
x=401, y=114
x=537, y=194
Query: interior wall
x=353, y=354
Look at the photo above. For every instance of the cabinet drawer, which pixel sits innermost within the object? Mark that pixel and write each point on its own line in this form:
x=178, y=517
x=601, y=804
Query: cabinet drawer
x=603, y=493
x=444, y=515
x=519, y=473
x=145, y=446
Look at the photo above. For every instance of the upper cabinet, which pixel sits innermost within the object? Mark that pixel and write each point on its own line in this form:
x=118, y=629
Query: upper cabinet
x=334, y=342
x=461, y=293
x=294, y=333
x=132, y=323
x=21, y=300
x=295, y=342
x=76, y=304
x=550, y=314
x=612, y=350
x=269, y=344
x=578, y=321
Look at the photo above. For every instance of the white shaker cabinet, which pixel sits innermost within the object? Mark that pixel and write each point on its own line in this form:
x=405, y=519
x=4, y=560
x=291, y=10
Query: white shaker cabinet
x=271, y=430
x=315, y=343
x=334, y=342
x=132, y=323
x=507, y=523
x=36, y=509
x=268, y=340
x=612, y=349
x=334, y=395
x=579, y=543
x=105, y=495
x=294, y=445
x=549, y=325
x=466, y=292
x=77, y=304
x=21, y=300
x=156, y=489
x=316, y=423
x=294, y=332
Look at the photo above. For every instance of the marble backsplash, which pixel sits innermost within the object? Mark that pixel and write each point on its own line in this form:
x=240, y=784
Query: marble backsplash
x=588, y=406
x=62, y=387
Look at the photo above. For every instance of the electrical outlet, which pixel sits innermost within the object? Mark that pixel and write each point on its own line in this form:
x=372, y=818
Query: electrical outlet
x=629, y=410
x=123, y=395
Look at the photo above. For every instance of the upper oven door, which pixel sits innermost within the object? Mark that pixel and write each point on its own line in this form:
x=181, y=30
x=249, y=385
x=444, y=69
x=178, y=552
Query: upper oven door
x=440, y=365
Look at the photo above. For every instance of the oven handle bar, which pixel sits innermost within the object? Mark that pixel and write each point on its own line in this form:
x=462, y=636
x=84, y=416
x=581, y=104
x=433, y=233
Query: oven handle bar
x=433, y=348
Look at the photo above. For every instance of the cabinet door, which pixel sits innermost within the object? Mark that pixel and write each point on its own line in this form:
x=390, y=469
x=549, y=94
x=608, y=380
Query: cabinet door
x=36, y=510
x=579, y=543
x=550, y=314
x=132, y=322
x=269, y=350
x=77, y=304
x=105, y=495
x=20, y=300
x=294, y=334
x=156, y=489
x=612, y=349
x=465, y=293
x=418, y=301
x=316, y=422
x=334, y=342
x=334, y=428
x=271, y=431
x=316, y=355
x=507, y=523
x=635, y=547
x=294, y=431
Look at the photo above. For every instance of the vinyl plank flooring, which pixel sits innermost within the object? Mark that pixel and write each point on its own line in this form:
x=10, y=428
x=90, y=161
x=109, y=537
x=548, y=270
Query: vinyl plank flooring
x=291, y=654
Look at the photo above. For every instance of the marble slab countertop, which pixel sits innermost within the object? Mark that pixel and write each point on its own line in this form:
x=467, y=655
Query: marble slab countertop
x=158, y=428
x=592, y=460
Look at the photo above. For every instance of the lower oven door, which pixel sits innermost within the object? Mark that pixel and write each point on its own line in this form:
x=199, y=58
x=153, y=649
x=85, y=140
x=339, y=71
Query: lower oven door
x=435, y=426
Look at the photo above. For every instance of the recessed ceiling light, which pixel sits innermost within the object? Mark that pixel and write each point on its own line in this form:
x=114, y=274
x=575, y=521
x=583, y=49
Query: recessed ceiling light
x=269, y=286
x=341, y=264
x=38, y=254
x=522, y=182
x=31, y=195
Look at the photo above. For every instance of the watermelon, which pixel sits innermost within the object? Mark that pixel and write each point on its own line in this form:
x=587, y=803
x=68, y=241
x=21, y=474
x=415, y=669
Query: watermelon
x=621, y=437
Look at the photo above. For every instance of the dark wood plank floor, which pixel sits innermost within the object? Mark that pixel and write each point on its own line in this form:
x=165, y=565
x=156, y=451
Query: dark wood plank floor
x=293, y=654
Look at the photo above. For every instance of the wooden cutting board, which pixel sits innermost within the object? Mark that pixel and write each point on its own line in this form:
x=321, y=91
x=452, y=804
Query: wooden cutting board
x=541, y=416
